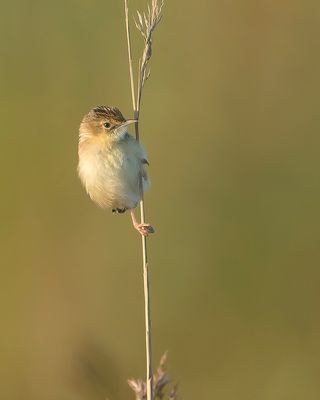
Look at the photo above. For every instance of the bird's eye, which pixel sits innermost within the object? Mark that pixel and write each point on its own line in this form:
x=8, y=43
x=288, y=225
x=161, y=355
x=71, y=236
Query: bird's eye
x=106, y=125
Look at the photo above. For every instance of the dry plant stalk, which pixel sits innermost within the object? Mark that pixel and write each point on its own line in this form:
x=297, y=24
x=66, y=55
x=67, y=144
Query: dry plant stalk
x=161, y=382
x=146, y=24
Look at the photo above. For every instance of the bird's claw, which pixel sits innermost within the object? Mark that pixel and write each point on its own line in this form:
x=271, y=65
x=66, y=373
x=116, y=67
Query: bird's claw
x=144, y=229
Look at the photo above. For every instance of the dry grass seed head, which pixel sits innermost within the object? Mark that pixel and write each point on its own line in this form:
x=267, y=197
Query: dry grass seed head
x=161, y=381
x=146, y=24
x=139, y=388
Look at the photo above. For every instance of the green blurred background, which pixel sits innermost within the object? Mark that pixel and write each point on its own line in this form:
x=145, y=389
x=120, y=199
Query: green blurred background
x=230, y=119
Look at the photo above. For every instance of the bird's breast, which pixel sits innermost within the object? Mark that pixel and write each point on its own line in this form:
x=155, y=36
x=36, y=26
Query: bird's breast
x=110, y=174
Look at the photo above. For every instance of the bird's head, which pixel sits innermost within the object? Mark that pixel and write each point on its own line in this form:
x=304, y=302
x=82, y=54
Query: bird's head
x=104, y=121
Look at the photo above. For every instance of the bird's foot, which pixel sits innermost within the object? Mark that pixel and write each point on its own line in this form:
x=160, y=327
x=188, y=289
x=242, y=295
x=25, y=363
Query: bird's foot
x=144, y=229
x=118, y=210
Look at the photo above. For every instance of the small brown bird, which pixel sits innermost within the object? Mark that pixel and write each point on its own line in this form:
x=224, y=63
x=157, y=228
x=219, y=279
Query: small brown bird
x=111, y=163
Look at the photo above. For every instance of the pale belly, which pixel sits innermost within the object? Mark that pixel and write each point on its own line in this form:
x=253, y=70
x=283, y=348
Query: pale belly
x=112, y=178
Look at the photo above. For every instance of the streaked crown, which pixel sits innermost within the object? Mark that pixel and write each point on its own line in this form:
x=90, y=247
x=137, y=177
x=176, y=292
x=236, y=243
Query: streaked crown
x=113, y=114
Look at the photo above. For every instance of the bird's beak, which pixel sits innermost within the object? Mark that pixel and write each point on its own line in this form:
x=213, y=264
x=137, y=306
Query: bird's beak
x=129, y=122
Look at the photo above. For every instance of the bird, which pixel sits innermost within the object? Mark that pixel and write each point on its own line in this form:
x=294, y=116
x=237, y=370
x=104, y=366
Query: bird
x=112, y=163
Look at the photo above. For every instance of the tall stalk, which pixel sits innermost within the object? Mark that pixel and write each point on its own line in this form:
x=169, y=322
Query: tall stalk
x=146, y=25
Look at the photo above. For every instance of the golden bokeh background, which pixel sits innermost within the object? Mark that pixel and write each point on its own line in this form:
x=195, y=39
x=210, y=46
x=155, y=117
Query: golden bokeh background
x=230, y=119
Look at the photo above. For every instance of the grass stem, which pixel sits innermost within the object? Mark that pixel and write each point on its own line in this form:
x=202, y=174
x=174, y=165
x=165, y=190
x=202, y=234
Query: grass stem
x=146, y=285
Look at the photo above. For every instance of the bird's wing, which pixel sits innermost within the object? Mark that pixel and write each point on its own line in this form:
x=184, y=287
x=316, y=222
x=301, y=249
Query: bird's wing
x=145, y=161
x=144, y=174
